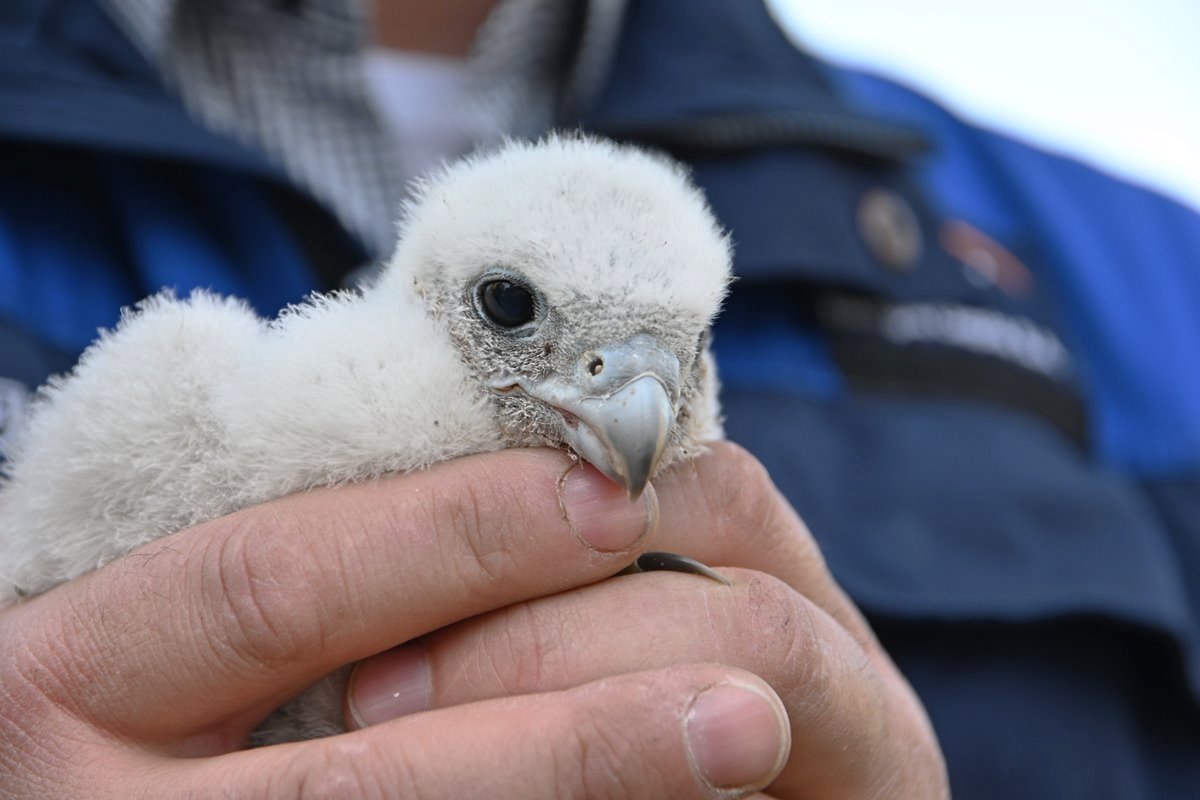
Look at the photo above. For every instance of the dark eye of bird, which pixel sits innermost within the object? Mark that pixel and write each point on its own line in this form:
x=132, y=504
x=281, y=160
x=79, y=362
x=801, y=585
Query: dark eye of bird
x=508, y=304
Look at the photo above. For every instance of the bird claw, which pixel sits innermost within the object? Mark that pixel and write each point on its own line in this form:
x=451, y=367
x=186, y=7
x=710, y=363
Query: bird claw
x=673, y=562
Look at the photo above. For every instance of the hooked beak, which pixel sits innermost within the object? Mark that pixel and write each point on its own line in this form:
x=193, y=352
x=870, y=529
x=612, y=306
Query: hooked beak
x=617, y=407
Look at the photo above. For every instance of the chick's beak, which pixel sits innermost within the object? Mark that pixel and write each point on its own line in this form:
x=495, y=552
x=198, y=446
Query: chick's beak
x=617, y=407
x=623, y=435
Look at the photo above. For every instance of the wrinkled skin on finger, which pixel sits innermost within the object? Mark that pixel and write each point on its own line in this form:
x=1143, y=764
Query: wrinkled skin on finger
x=144, y=677
x=858, y=728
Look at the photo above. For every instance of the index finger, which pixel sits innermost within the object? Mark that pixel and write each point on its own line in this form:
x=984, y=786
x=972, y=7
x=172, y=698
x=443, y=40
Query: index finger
x=230, y=618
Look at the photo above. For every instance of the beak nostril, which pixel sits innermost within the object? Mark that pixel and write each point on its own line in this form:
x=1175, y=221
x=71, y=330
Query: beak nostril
x=597, y=366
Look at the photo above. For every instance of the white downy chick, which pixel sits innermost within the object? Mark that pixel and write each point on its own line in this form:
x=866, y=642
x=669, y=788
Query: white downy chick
x=557, y=293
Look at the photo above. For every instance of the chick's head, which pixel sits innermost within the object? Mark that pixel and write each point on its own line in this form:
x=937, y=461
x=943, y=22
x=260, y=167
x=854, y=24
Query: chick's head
x=578, y=280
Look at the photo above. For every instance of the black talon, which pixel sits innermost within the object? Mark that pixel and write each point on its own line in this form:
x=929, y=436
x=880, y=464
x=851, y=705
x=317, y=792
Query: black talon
x=672, y=562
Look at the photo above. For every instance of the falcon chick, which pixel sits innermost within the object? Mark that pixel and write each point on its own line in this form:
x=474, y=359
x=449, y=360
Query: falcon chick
x=557, y=293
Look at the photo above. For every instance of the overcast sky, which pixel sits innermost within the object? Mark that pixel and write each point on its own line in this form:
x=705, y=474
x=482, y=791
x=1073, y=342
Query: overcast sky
x=1113, y=82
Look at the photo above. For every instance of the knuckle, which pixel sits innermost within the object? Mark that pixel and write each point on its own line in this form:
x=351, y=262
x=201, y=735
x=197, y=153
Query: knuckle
x=784, y=629
x=466, y=519
x=252, y=577
x=54, y=656
x=28, y=727
x=752, y=513
x=739, y=490
x=739, y=464
x=517, y=653
x=44, y=666
x=521, y=650
x=49, y=744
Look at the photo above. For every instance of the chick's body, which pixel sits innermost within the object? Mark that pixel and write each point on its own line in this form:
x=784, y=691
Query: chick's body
x=192, y=409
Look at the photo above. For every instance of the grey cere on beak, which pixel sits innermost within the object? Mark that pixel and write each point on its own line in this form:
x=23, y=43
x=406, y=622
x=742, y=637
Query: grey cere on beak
x=617, y=406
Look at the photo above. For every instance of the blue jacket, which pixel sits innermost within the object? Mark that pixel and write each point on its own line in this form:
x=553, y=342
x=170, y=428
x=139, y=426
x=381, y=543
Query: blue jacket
x=971, y=365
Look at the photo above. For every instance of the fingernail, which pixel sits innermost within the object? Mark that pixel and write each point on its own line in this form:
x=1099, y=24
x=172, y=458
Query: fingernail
x=388, y=685
x=599, y=510
x=738, y=737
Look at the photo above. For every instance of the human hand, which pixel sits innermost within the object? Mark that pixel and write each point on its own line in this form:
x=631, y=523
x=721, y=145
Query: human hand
x=857, y=729
x=144, y=678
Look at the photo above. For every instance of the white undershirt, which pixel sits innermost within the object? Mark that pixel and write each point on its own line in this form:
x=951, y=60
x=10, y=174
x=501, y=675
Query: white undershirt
x=420, y=100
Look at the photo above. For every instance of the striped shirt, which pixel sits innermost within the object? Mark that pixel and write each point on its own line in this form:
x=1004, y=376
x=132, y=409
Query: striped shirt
x=287, y=77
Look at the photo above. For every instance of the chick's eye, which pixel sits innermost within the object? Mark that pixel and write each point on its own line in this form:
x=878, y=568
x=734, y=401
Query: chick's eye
x=507, y=304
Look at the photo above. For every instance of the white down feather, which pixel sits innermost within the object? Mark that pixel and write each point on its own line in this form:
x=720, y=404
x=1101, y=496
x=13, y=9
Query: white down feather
x=191, y=409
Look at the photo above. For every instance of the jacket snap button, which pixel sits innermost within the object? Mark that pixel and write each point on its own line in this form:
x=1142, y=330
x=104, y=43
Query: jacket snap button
x=890, y=228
